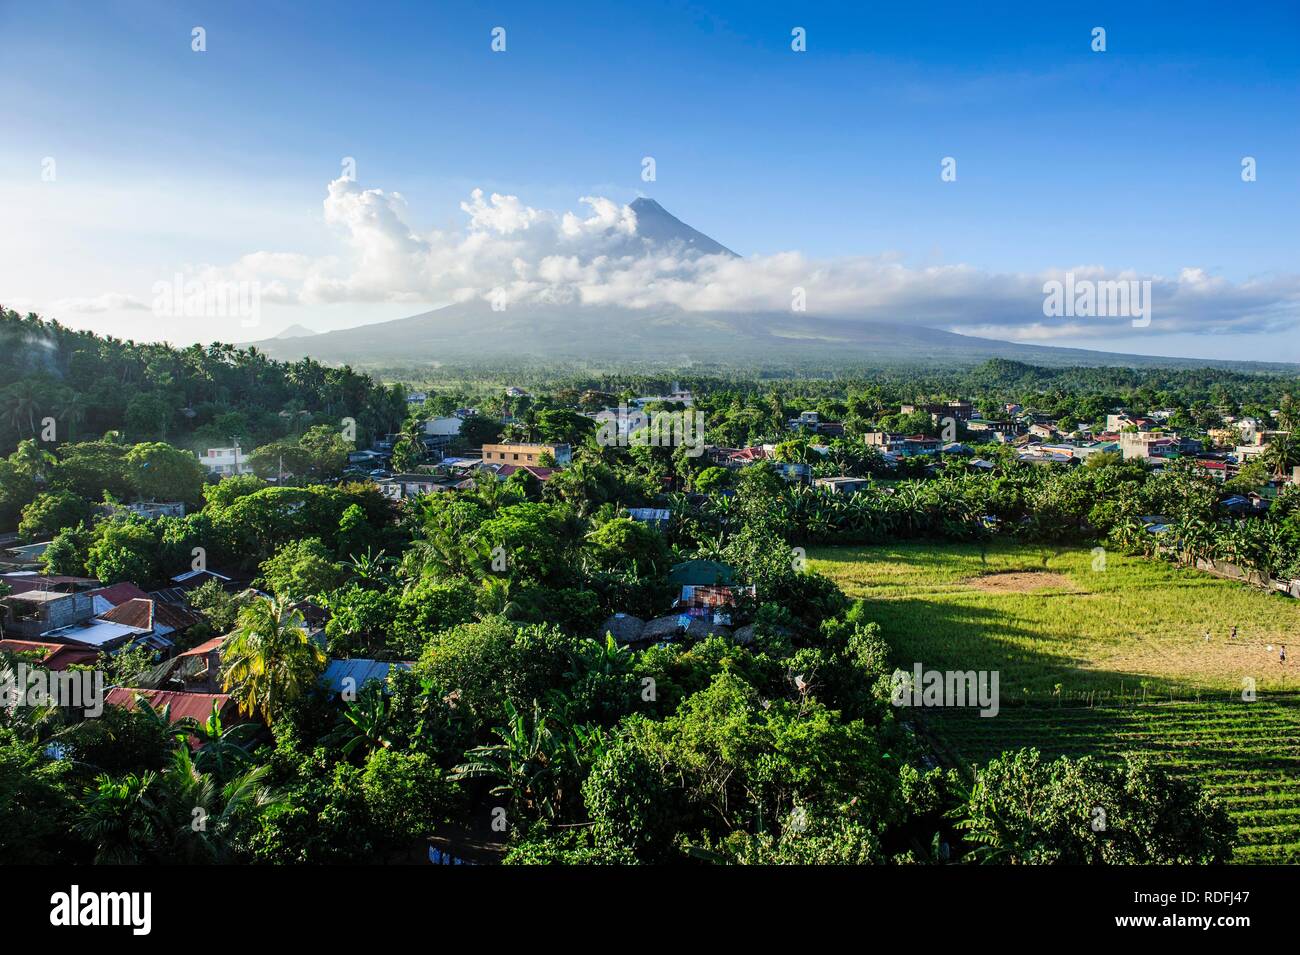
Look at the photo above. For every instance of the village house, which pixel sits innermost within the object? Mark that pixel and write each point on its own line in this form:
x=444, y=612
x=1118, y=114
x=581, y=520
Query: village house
x=842, y=485
x=735, y=457
x=990, y=428
x=368, y=459
x=104, y=618
x=196, y=670
x=905, y=445
x=19, y=581
x=180, y=705
x=958, y=410
x=677, y=395
x=506, y=453
x=1039, y=456
x=161, y=622
x=24, y=556
x=810, y=422
x=349, y=676
x=1256, y=445
x=505, y=471
x=654, y=516
x=149, y=510
x=1221, y=469
x=1146, y=444
x=439, y=433
x=33, y=613
x=402, y=486
x=52, y=656
x=226, y=462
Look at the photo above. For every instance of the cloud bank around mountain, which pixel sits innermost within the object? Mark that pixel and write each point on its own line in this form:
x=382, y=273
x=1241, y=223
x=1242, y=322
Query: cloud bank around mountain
x=514, y=253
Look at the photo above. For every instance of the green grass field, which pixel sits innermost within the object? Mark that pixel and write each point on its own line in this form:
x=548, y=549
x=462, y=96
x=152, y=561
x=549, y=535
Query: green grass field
x=1102, y=660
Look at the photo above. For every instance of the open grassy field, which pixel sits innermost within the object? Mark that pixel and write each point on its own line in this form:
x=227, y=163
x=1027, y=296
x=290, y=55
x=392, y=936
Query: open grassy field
x=1044, y=617
x=1103, y=660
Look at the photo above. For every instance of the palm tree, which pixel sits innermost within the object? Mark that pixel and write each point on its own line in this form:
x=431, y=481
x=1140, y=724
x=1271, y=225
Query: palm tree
x=72, y=411
x=180, y=815
x=497, y=598
x=269, y=660
x=1280, y=454
x=492, y=491
x=123, y=817
x=203, y=811
x=21, y=400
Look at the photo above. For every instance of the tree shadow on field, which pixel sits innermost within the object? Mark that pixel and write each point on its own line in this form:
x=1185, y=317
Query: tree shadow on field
x=947, y=635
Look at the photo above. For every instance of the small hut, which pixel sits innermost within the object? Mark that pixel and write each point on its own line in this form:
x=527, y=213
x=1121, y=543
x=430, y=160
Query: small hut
x=744, y=635
x=661, y=629
x=700, y=628
x=624, y=627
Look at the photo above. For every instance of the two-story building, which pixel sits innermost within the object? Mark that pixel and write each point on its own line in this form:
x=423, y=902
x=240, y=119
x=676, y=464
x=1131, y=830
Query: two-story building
x=525, y=454
x=226, y=462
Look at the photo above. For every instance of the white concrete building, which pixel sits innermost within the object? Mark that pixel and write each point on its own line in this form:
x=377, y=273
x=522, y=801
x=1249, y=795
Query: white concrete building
x=226, y=462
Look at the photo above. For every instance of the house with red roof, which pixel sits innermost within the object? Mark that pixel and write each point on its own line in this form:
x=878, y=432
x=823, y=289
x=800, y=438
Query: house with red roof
x=197, y=706
x=54, y=656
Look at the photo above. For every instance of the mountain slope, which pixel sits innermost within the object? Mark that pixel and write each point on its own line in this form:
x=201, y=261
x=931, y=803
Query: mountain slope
x=295, y=331
x=471, y=332
x=660, y=227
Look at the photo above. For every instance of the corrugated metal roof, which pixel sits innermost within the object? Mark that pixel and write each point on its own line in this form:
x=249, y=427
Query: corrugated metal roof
x=197, y=706
x=358, y=671
x=119, y=594
x=700, y=572
x=170, y=615
x=203, y=649
x=57, y=656
x=136, y=612
x=95, y=633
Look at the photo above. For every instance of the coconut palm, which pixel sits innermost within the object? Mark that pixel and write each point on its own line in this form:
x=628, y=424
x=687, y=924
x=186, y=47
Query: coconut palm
x=72, y=411
x=123, y=817
x=22, y=399
x=269, y=660
x=203, y=811
x=177, y=816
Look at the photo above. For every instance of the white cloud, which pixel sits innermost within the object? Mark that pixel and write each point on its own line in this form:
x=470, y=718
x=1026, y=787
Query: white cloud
x=108, y=302
x=599, y=258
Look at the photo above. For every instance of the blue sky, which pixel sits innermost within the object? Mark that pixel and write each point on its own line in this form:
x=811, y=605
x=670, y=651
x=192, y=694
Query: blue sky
x=1127, y=160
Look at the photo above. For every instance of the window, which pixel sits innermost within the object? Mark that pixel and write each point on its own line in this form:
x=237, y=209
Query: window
x=516, y=457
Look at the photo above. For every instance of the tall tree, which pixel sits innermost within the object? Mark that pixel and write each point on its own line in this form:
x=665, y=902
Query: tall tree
x=269, y=660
